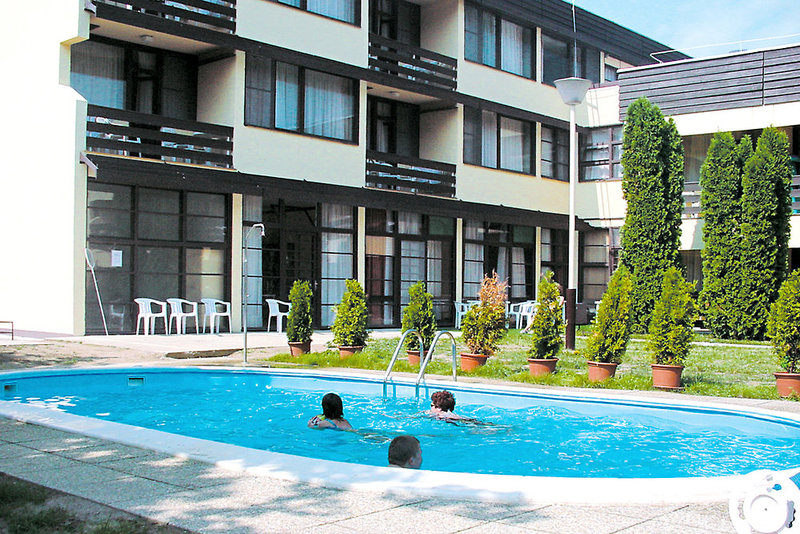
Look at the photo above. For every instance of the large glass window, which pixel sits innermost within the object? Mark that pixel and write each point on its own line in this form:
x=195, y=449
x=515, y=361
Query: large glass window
x=555, y=153
x=508, y=250
x=393, y=127
x=497, y=42
x=303, y=100
x=176, y=248
x=125, y=76
x=600, y=154
x=554, y=248
x=496, y=141
x=344, y=10
x=555, y=59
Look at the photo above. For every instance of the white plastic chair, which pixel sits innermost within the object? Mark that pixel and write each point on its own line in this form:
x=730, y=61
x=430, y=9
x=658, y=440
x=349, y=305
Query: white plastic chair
x=177, y=313
x=148, y=317
x=527, y=311
x=461, y=311
x=513, y=311
x=275, y=311
x=214, y=309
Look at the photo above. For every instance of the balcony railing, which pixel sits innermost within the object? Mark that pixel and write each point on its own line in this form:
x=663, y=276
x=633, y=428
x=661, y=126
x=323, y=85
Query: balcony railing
x=795, y=194
x=128, y=133
x=412, y=63
x=412, y=175
x=217, y=15
x=691, y=200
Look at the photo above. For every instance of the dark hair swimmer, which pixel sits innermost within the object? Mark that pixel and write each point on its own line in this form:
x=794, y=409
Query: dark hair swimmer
x=332, y=415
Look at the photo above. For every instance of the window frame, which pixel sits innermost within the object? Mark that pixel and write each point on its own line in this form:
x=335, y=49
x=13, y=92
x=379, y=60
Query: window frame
x=609, y=161
x=304, y=7
x=555, y=162
x=478, y=143
x=498, y=42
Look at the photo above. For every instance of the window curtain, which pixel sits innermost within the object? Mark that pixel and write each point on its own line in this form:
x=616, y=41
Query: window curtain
x=471, y=34
x=258, y=87
x=98, y=73
x=489, y=49
x=344, y=10
x=514, y=154
x=435, y=268
x=489, y=139
x=511, y=48
x=473, y=269
x=329, y=108
x=337, y=266
x=286, y=96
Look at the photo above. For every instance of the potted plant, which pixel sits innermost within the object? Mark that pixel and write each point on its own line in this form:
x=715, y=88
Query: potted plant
x=419, y=316
x=350, y=325
x=671, y=330
x=484, y=324
x=612, y=328
x=298, y=324
x=547, y=328
x=784, y=329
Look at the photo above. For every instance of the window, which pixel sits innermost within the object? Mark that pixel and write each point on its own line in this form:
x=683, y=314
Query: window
x=395, y=19
x=287, y=97
x=588, y=61
x=499, y=142
x=135, y=78
x=555, y=153
x=554, y=254
x=508, y=250
x=555, y=59
x=610, y=73
x=498, y=43
x=601, y=150
x=344, y=10
x=393, y=127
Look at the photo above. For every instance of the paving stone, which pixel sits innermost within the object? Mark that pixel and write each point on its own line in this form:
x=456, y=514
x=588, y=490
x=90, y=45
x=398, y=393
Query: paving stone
x=411, y=519
x=666, y=527
x=11, y=450
x=713, y=517
x=22, y=432
x=174, y=470
x=561, y=519
x=34, y=462
x=482, y=511
x=64, y=443
x=104, y=451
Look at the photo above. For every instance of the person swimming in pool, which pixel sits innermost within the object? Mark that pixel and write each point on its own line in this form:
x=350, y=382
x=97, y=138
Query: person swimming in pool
x=332, y=415
x=405, y=451
x=442, y=405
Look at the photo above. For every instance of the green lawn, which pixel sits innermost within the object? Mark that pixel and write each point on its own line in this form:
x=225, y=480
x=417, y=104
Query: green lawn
x=722, y=369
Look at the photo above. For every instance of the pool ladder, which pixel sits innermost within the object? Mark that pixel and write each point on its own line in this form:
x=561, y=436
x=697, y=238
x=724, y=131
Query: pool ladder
x=426, y=358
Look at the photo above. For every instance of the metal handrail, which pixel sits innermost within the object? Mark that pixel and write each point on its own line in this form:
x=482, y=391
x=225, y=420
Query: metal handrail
x=428, y=356
x=397, y=351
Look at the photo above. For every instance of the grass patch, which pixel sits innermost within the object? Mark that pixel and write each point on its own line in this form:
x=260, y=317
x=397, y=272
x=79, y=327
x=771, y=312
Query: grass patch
x=724, y=369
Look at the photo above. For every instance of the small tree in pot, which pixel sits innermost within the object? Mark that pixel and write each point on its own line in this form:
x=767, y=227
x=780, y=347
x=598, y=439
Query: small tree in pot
x=547, y=328
x=419, y=316
x=671, y=329
x=350, y=325
x=612, y=328
x=298, y=324
x=484, y=325
x=784, y=329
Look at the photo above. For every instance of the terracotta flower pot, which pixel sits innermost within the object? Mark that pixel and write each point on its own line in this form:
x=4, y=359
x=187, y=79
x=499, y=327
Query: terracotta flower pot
x=666, y=376
x=413, y=357
x=787, y=384
x=298, y=348
x=471, y=361
x=599, y=371
x=542, y=367
x=346, y=351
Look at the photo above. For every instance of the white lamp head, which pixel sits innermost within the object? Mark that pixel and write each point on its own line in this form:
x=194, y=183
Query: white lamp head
x=572, y=90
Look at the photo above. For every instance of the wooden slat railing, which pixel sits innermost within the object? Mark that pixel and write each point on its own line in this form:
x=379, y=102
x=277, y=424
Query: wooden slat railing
x=691, y=200
x=795, y=193
x=413, y=175
x=412, y=63
x=129, y=133
x=217, y=15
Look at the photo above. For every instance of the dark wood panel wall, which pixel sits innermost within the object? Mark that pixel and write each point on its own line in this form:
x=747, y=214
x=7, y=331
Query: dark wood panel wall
x=736, y=81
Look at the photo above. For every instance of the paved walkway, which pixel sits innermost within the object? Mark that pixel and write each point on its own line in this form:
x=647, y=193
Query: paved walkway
x=205, y=498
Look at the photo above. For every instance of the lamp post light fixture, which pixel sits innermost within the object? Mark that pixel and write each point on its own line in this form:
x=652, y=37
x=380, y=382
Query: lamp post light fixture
x=573, y=92
x=245, y=294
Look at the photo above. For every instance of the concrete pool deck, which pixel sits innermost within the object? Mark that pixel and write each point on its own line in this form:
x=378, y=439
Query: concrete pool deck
x=204, y=498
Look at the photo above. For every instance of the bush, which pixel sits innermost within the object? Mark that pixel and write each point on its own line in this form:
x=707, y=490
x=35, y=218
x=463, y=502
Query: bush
x=671, y=324
x=612, y=326
x=419, y=316
x=784, y=324
x=350, y=325
x=484, y=325
x=547, y=326
x=298, y=327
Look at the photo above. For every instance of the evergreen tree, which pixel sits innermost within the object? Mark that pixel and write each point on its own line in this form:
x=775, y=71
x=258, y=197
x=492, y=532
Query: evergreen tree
x=420, y=316
x=671, y=324
x=612, y=327
x=784, y=324
x=652, y=160
x=766, y=209
x=547, y=326
x=721, y=181
x=349, y=328
x=298, y=325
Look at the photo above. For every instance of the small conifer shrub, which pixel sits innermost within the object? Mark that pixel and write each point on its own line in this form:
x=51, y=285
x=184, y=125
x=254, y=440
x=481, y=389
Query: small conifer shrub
x=612, y=326
x=419, y=316
x=484, y=325
x=298, y=327
x=547, y=326
x=671, y=323
x=784, y=324
x=350, y=325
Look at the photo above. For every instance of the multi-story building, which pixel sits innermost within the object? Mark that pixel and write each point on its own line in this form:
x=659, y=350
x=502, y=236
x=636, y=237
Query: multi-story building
x=384, y=140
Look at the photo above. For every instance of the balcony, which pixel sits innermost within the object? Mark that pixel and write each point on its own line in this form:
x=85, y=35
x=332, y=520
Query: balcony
x=219, y=15
x=691, y=200
x=795, y=193
x=412, y=63
x=142, y=135
x=412, y=175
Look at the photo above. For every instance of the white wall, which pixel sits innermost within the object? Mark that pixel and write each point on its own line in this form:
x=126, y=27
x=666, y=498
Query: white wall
x=43, y=195
x=220, y=91
x=731, y=120
x=442, y=27
x=441, y=135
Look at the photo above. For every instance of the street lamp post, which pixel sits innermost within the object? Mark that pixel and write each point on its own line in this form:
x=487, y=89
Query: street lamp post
x=245, y=294
x=572, y=92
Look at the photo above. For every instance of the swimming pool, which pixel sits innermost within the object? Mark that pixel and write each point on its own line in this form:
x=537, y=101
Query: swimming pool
x=529, y=433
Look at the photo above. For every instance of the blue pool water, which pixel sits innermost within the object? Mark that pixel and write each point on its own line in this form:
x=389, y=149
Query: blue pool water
x=526, y=434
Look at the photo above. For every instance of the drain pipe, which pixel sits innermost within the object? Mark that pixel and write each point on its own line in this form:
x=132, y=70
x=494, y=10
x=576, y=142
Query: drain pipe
x=245, y=294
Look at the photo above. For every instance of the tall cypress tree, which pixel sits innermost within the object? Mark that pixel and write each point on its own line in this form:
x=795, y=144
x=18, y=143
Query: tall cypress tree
x=766, y=209
x=721, y=181
x=652, y=161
